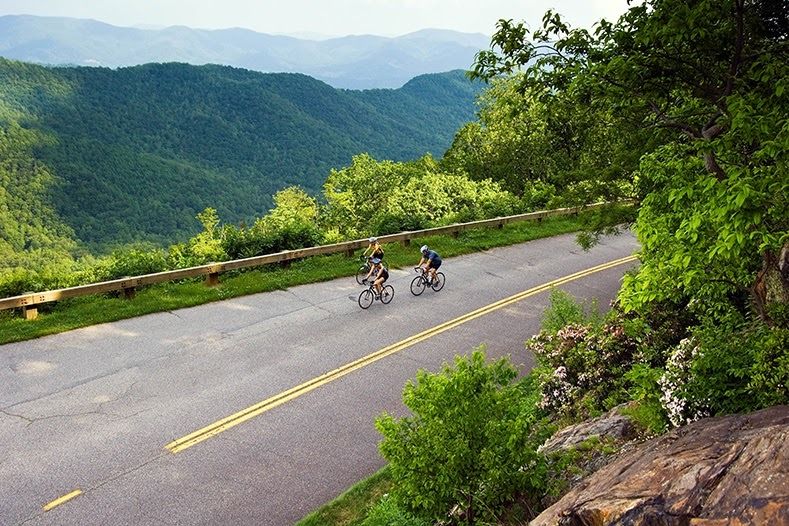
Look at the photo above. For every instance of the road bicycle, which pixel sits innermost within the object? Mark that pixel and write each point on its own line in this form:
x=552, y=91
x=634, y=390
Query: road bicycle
x=363, y=270
x=424, y=280
x=369, y=295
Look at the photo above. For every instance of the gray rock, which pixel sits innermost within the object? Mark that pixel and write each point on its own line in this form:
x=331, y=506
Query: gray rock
x=611, y=425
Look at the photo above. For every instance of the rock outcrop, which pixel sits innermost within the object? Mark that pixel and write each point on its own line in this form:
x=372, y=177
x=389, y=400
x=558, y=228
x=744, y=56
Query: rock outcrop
x=613, y=425
x=725, y=471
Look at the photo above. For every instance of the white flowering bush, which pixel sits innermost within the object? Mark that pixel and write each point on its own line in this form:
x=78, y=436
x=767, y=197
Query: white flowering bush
x=681, y=408
x=581, y=366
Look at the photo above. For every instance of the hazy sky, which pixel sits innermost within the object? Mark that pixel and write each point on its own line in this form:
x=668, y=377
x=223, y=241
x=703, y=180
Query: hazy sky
x=329, y=17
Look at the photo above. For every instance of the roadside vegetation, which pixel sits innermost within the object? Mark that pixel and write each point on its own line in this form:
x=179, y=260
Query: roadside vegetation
x=685, y=104
x=91, y=310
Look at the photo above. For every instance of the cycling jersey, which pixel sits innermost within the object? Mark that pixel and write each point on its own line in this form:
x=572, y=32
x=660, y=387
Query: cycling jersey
x=434, y=259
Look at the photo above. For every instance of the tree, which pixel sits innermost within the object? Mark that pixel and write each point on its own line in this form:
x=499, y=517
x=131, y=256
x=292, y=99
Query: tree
x=535, y=144
x=206, y=246
x=292, y=223
x=708, y=79
x=355, y=193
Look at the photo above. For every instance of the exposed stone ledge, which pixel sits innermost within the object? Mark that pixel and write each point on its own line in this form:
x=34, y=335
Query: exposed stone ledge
x=725, y=471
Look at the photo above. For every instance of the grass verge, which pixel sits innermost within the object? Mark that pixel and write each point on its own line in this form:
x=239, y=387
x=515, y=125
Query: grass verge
x=350, y=508
x=91, y=310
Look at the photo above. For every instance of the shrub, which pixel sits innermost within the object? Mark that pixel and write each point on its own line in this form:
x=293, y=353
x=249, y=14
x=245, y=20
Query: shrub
x=135, y=260
x=582, y=359
x=564, y=310
x=731, y=366
x=467, y=443
x=644, y=388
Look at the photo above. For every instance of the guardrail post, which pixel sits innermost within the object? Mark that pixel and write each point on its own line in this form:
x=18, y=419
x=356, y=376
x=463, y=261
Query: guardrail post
x=406, y=243
x=128, y=290
x=212, y=279
x=31, y=312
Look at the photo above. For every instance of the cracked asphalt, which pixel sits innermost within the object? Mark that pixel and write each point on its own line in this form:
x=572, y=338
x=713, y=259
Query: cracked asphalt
x=93, y=409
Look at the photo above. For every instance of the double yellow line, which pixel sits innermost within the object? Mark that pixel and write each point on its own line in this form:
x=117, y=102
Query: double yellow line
x=286, y=396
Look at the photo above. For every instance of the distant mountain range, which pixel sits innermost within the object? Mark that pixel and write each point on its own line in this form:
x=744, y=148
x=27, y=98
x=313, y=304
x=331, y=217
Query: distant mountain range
x=135, y=153
x=354, y=62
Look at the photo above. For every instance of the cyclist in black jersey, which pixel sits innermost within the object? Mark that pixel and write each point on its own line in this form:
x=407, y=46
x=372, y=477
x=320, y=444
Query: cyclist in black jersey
x=375, y=248
x=381, y=274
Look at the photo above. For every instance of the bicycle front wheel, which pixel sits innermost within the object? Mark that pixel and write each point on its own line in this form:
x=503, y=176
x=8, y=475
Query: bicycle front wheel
x=387, y=294
x=366, y=298
x=417, y=286
x=361, y=273
x=438, y=283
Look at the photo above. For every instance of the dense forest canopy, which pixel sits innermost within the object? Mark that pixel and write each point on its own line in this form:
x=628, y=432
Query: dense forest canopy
x=135, y=153
x=702, y=87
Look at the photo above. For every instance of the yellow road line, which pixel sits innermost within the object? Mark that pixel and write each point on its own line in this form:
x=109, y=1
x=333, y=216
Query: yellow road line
x=65, y=498
x=294, y=392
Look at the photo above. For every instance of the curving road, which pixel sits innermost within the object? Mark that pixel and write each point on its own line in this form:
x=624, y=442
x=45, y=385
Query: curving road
x=90, y=419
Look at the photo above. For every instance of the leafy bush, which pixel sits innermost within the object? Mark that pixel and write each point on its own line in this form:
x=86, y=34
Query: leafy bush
x=564, y=310
x=644, y=388
x=468, y=442
x=726, y=368
x=206, y=247
x=583, y=367
x=135, y=260
x=39, y=270
x=291, y=224
x=16, y=281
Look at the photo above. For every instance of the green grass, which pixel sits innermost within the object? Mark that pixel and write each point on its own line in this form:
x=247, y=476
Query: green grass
x=91, y=310
x=350, y=508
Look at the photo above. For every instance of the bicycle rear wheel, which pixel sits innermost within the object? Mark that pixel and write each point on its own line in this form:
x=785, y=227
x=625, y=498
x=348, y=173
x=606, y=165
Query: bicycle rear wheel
x=387, y=294
x=417, y=286
x=438, y=283
x=366, y=298
x=361, y=273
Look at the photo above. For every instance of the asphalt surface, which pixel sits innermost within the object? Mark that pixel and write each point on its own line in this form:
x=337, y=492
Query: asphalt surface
x=93, y=409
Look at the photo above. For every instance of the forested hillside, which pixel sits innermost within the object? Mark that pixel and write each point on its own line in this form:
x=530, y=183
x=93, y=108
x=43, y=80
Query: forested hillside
x=136, y=153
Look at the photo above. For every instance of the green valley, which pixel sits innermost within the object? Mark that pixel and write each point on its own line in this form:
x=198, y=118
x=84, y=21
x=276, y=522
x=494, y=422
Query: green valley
x=134, y=154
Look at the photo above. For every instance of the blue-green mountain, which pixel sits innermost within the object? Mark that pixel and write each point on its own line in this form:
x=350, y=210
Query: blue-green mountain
x=354, y=62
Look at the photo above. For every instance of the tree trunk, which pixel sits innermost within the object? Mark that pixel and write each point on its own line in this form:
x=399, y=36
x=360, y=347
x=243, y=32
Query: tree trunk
x=772, y=283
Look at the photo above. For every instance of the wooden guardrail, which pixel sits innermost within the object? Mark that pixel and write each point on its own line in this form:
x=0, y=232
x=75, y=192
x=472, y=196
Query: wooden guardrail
x=29, y=302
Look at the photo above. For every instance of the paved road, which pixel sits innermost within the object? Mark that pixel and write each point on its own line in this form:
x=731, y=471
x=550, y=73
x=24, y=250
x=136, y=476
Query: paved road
x=93, y=409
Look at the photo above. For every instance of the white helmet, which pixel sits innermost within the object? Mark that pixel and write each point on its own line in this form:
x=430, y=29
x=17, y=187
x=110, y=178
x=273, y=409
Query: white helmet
x=424, y=249
x=373, y=239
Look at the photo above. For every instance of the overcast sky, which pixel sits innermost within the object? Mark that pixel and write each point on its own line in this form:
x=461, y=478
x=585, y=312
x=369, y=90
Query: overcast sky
x=327, y=17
